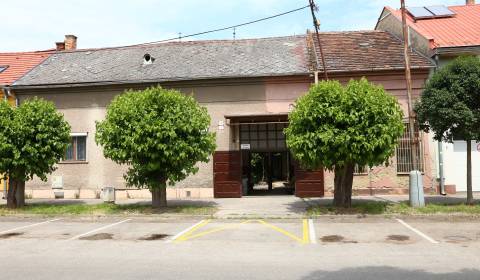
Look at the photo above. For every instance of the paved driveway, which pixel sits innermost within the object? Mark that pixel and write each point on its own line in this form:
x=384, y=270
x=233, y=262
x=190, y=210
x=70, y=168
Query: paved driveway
x=326, y=248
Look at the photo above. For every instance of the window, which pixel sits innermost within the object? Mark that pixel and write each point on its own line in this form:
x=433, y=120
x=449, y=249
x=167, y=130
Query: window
x=404, y=152
x=264, y=136
x=77, y=149
x=360, y=170
x=3, y=68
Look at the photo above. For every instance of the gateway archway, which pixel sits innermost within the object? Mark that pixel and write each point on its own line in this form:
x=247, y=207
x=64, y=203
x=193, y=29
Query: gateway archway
x=262, y=164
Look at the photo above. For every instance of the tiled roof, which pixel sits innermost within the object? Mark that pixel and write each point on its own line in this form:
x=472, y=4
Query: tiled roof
x=18, y=64
x=358, y=51
x=265, y=57
x=463, y=29
x=175, y=61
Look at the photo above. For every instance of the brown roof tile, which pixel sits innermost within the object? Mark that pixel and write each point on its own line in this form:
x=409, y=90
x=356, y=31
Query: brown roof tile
x=356, y=51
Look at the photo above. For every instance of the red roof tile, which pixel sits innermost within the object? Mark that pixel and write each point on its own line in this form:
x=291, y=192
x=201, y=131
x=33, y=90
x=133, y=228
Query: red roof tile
x=463, y=29
x=19, y=63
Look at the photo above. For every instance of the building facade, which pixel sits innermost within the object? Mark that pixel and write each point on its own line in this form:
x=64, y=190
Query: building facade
x=248, y=87
x=443, y=34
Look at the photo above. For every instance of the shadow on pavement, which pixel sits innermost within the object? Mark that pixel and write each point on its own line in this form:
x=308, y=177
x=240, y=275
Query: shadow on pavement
x=391, y=273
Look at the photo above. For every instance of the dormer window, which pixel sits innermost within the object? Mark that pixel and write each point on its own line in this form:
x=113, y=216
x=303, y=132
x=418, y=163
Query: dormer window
x=3, y=68
x=148, y=59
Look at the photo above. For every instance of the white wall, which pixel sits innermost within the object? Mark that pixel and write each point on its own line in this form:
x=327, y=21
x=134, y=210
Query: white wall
x=455, y=165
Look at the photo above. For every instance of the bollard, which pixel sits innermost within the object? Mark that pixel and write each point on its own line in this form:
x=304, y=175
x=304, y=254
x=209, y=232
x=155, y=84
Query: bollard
x=417, y=198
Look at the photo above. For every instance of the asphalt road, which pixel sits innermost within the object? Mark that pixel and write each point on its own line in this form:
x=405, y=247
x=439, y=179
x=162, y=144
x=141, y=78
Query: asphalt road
x=327, y=248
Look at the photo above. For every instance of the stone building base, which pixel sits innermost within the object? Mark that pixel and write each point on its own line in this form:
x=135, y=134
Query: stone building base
x=123, y=194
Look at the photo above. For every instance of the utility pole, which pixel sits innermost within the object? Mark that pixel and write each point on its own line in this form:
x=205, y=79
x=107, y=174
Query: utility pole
x=416, y=183
x=316, y=24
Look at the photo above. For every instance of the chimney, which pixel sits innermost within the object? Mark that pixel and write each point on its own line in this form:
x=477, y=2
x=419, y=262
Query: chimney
x=60, y=46
x=470, y=2
x=70, y=42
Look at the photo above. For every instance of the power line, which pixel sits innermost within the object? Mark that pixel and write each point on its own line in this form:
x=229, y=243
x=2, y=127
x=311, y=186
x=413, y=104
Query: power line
x=224, y=28
x=316, y=24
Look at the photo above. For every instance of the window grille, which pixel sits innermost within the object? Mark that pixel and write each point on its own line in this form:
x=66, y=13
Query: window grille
x=404, y=151
x=360, y=170
x=264, y=136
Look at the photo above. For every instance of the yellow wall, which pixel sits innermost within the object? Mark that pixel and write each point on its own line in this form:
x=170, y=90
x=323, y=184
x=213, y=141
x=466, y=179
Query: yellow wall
x=11, y=99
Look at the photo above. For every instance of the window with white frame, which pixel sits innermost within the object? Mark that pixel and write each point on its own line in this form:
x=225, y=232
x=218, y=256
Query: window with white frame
x=404, y=151
x=77, y=149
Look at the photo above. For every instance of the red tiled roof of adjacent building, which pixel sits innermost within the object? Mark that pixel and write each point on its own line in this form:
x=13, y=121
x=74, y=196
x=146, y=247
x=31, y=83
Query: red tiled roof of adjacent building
x=461, y=30
x=18, y=64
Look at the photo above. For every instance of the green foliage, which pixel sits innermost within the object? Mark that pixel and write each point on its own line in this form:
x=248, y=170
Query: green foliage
x=333, y=125
x=105, y=209
x=33, y=138
x=160, y=134
x=450, y=103
x=258, y=168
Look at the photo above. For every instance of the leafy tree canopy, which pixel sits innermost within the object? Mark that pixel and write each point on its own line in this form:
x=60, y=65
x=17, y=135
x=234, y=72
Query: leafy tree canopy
x=160, y=134
x=333, y=125
x=450, y=104
x=33, y=138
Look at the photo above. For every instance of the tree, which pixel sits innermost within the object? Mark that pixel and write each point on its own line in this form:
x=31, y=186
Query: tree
x=337, y=127
x=33, y=138
x=450, y=106
x=159, y=134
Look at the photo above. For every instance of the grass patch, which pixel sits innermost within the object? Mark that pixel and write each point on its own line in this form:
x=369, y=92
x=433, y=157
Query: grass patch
x=105, y=209
x=377, y=208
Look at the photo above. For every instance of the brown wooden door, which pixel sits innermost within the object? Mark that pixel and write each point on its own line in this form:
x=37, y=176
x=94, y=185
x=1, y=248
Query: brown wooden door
x=227, y=174
x=309, y=183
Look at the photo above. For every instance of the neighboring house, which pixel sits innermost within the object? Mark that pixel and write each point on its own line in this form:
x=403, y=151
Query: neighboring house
x=248, y=87
x=443, y=33
x=14, y=65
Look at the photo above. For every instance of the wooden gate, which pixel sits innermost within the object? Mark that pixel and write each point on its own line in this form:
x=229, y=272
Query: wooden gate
x=309, y=183
x=227, y=174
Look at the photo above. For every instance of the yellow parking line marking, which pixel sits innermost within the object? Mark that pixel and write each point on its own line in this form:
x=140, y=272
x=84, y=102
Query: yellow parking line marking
x=306, y=231
x=193, y=233
x=192, y=236
x=190, y=231
x=282, y=231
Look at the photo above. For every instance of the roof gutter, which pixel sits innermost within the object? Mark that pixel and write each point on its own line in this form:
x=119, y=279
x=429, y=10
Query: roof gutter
x=153, y=81
x=475, y=50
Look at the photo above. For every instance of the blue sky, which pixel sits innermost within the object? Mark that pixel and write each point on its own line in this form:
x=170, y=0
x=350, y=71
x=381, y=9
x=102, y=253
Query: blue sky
x=35, y=25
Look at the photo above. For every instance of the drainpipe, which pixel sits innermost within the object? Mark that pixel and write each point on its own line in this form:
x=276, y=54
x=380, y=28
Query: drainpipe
x=440, y=149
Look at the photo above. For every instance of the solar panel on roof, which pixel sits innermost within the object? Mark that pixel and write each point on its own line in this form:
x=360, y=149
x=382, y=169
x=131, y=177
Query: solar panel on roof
x=440, y=11
x=419, y=12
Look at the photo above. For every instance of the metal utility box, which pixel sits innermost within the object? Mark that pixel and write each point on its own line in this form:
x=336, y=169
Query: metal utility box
x=108, y=194
x=57, y=186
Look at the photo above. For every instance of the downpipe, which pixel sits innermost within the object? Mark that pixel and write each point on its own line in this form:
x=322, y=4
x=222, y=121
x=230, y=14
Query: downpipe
x=440, y=150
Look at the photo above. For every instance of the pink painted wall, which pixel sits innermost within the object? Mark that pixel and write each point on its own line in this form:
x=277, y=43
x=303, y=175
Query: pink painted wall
x=383, y=179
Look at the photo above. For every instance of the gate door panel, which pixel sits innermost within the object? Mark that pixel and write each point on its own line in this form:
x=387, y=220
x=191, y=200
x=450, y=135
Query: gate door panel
x=309, y=183
x=227, y=174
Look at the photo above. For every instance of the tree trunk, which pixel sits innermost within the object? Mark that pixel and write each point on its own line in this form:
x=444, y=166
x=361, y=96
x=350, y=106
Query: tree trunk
x=12, y=194
x=343, y=186
x=469, y=173
x=159, y=197
x=20, y=194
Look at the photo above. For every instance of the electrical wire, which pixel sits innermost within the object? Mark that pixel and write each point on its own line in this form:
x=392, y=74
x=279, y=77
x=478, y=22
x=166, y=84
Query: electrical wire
x=224, y=28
